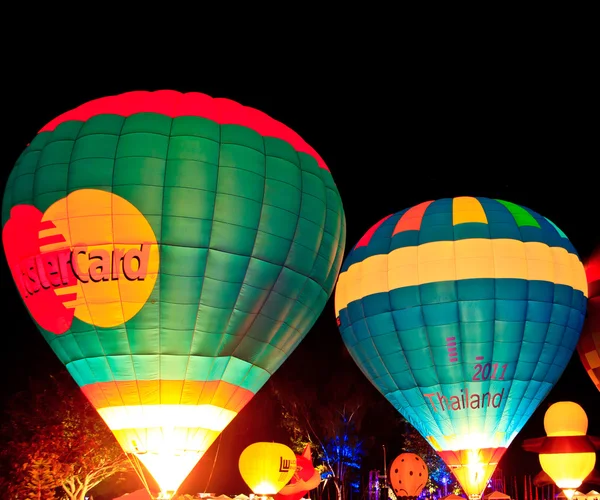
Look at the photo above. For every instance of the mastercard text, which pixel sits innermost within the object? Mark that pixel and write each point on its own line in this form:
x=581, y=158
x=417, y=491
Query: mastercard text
x=54, y=269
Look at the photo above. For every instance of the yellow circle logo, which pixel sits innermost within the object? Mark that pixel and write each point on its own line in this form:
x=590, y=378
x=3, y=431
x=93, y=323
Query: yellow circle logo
x=108, y=246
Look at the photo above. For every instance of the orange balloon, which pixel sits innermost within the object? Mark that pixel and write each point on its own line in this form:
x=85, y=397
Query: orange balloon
x=408, y=475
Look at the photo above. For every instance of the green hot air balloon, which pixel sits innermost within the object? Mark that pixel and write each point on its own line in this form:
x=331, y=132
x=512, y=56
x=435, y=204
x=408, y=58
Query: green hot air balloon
x=173, y=250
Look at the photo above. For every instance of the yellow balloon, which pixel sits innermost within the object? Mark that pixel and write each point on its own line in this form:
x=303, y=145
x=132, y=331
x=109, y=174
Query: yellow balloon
x=408, y=475
x=267, y=467
x=567, y=470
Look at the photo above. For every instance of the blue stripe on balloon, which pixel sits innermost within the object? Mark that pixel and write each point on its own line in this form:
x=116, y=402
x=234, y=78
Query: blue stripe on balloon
x=531, y=326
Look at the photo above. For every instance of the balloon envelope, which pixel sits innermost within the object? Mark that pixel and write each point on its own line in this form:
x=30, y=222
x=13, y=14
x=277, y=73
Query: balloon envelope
x=567, y=470
x=408, y=475
x=588, y=347
x=464, y=313
x=267, y=467
x=173, y=250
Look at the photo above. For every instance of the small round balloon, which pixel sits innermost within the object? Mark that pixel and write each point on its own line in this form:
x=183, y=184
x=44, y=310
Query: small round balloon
x=408, y=475
x=267, y=467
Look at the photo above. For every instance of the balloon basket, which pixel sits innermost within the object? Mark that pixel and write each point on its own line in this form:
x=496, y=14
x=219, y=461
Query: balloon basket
x=165, y=495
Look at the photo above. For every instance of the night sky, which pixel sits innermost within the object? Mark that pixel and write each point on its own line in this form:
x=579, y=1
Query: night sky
x=390, y=144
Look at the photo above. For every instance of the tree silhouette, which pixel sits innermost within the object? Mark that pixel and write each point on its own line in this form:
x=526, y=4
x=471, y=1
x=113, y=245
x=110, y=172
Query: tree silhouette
x=54, y=443
x=328, y=413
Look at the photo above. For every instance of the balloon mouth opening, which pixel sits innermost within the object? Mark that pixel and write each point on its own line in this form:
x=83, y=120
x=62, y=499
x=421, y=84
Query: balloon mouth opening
x=473, y=468
x=165, y=495
x=169, y=470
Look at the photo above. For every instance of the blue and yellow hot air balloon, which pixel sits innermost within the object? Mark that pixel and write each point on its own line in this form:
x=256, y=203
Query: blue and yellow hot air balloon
x=464, y=313
x=173, y=249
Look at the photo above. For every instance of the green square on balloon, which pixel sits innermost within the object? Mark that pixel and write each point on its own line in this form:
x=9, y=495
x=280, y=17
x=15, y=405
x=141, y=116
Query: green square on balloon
x=199, y=149
x=152, y=123
x=55, y=153
x=102, y=124
x=232, y=134
x=180, y=289
x=183, y=261
x=95, y=146
x=195, y=126
x=175, y=342
x=284, y=171
x=185, y=232
x=51, y=178
x=230, y=238
x=242, y=158
x=91, y=173
x=146, y=338
x=178, y=316
x=301, y=259
x=278, y=221
x=143, y=144
x=147, y=199
x=114, y=341
x=142, y=367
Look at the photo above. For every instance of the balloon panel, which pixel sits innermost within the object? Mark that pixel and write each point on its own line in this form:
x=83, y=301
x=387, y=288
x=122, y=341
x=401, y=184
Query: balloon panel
x=173, y=249
x=464, y=313
x=589, y=342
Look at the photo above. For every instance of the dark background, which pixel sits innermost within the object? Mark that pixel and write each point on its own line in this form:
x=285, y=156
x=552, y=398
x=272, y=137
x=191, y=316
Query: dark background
x=394, y=133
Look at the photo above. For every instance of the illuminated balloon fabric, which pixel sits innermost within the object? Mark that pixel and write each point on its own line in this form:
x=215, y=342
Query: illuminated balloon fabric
x=464, y=313
x=173, y=249
x=589, y=342
x=267, y=467
x=408, y=475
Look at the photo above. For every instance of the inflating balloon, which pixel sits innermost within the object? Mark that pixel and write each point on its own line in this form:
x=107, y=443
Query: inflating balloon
x=464, y=313
x=408, y=475
x=173, y=250
x=267, y=467
x=589, y=342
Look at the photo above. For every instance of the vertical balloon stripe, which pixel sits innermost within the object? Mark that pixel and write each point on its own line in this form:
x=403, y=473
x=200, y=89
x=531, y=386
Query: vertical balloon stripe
x=466, y=209
x=522, y=216
x=364, y=241
x=558, y=230
x=411, y=219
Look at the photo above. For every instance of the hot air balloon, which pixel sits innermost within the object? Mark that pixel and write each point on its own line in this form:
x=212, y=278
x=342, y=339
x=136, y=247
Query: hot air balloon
x=173, y=250
x=567, y=455
x=588, y=347
x=408, y=475
x=464, y=313
x=267, y=467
